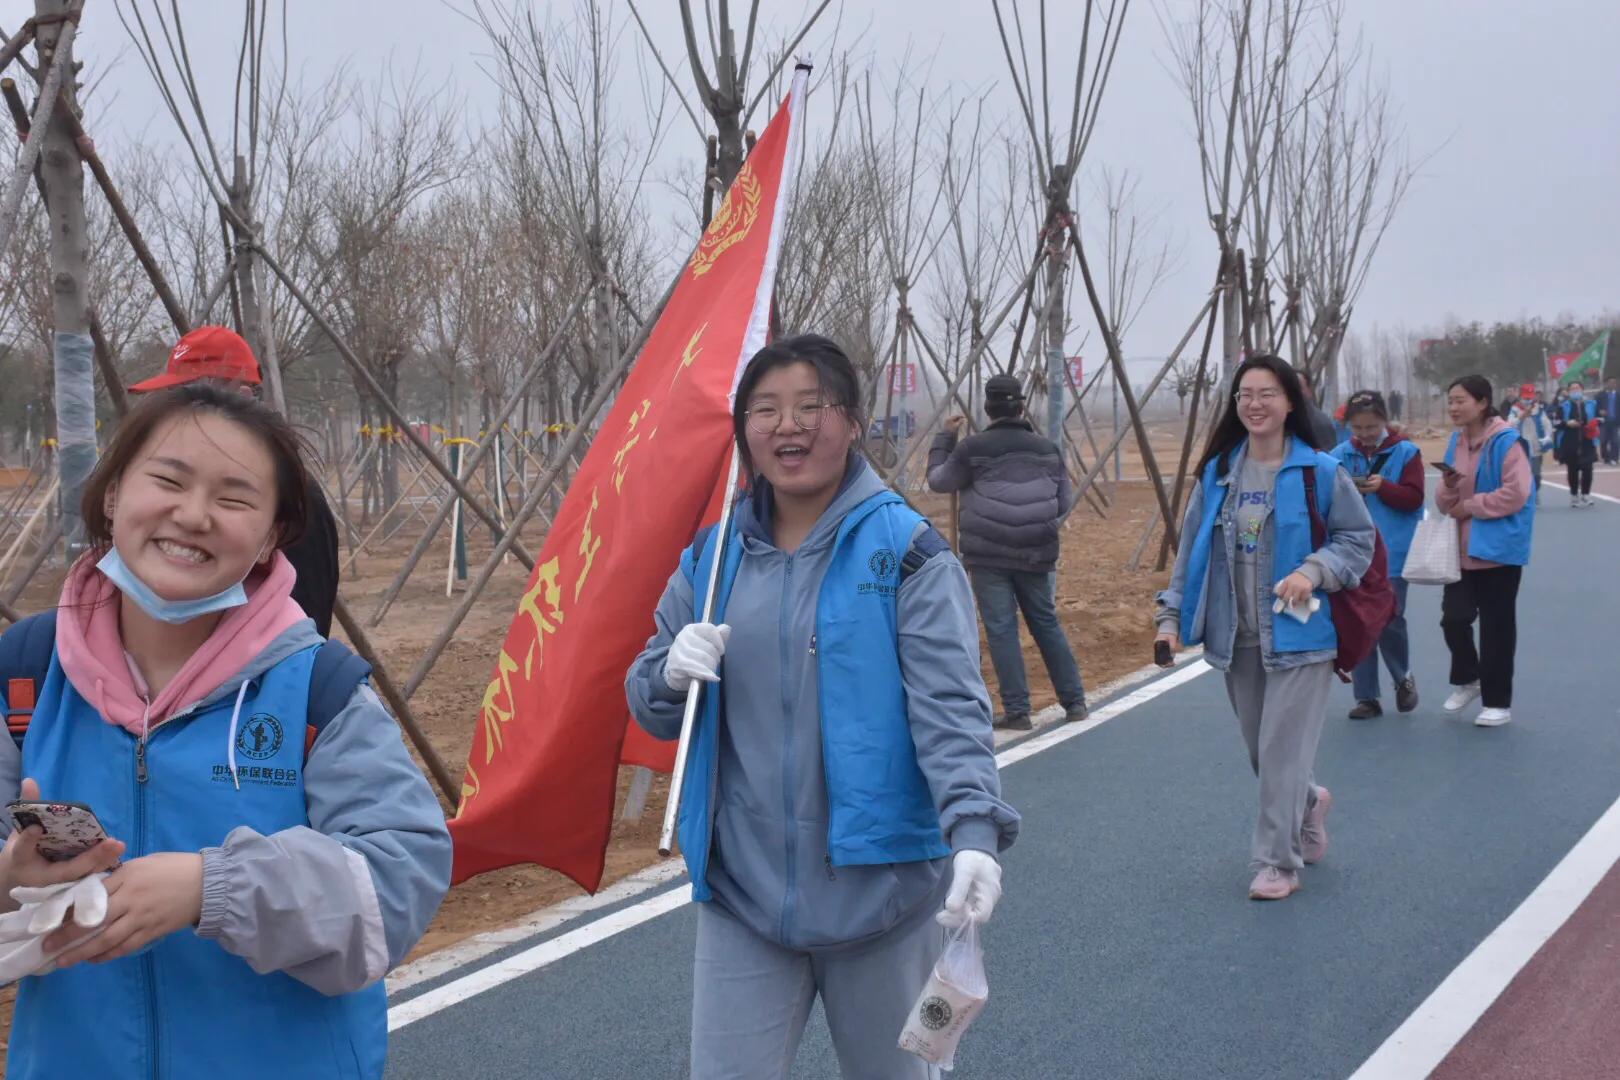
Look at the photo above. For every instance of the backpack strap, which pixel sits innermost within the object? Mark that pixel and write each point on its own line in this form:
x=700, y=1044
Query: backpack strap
x=331, y=684
x=924, y=546
x=25, y=660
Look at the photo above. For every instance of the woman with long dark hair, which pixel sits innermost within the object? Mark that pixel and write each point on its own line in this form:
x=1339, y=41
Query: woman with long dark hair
x=1488, y=492
x=842, y=784
x=1246, y=550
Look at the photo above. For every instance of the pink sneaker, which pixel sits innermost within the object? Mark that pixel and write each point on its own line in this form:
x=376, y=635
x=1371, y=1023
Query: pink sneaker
x=1273, y=883
x=1313, y=833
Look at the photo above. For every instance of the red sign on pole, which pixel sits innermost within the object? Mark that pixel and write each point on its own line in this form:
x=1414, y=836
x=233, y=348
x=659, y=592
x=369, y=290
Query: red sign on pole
x=903, y=378
x=1558, y=364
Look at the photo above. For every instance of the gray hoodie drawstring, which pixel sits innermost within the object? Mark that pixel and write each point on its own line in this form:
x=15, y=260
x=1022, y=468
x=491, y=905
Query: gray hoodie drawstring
x=230, y=745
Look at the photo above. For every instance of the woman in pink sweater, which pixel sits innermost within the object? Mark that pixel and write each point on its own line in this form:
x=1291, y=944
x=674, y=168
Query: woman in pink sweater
x=1488, y=492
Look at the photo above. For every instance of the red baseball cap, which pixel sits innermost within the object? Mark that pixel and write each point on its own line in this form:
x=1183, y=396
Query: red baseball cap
x=1528, y=390
x=208, y=352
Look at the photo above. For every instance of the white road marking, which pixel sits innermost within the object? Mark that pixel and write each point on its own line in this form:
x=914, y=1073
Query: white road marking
x=1420, y=1044
x=1565, y=487
x=548, y=952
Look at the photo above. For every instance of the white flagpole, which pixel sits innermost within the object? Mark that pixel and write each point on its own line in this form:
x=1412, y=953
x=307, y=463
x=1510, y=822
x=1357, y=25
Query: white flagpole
x=753, y=340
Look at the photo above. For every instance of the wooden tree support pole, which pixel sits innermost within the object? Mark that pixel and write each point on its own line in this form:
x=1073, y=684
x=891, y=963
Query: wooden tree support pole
x=396, y=701
x=972, y=359
x=1144, y=443
x=1119, y=436
x=132, y=231
x=46, y=546
x=103, y=354
x=1192, y=428
x=16, y=44
x=50, y=93
x=540, y=364
x=397, y=417
x=607, y=387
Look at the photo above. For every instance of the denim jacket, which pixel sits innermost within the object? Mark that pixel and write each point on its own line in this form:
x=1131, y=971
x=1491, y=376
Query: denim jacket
x=1336, y=565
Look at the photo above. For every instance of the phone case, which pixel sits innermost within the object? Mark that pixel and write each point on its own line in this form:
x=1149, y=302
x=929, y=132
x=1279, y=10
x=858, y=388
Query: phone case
x=70, y=828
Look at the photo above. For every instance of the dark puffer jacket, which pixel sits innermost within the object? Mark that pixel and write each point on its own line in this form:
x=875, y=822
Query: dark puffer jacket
x=1015, y=488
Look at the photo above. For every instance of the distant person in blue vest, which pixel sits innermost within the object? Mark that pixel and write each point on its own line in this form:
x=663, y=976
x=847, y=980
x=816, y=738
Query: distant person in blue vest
x=1576, y=444
x=1488, y=492
x=1387, y=468
x=268, y=882
x=1246, y=549
x=841, y=799
x=1529, y=415
x=1015, y=491
x=1609, y=414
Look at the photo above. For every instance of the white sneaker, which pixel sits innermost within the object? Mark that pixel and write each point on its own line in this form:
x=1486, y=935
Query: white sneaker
x=1461, y=696
x=1574, y=502
x=1590, y=501
x=1492, y=717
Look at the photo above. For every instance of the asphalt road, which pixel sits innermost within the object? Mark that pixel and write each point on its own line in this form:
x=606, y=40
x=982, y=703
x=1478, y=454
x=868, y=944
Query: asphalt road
x=1125, y=946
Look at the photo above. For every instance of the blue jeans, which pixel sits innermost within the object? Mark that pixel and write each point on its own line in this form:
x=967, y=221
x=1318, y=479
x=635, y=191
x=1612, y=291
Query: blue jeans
x=1001, y=594
x=1395, y=646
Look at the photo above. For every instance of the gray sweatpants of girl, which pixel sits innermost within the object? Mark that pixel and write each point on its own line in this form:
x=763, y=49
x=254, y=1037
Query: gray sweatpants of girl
x=1282, y=714
x=751, y=999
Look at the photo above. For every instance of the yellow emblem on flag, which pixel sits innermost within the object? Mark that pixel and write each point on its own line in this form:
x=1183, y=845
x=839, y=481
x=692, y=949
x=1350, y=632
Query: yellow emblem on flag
x=738, y=212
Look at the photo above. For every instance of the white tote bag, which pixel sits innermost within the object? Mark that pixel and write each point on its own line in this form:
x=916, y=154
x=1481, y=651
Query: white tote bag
x=1435, y=557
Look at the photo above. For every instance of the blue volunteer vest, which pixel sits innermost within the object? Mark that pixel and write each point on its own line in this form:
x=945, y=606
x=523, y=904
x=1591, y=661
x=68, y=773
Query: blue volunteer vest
x=1291, y=521
x=880, y=808
x=1504, y=540
x=184, y=1007
x=1396, y=526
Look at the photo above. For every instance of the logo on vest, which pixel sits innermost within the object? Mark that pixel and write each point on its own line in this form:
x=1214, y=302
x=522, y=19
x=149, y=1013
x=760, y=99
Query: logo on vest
x=260, y=737
x=883, y=564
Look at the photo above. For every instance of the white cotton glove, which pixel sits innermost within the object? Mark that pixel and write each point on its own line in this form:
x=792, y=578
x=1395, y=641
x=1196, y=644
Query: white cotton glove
x=695, y=655
x=44, y=909
x=975, y=888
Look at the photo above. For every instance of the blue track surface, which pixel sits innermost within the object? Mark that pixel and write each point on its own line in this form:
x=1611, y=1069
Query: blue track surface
x=1125, y=946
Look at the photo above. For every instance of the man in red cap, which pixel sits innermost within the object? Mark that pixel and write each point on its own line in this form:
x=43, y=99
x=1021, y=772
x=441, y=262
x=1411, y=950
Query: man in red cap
x=219, y=353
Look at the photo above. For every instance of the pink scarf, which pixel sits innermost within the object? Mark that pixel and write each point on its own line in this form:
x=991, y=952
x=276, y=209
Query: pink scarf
x=91, y=649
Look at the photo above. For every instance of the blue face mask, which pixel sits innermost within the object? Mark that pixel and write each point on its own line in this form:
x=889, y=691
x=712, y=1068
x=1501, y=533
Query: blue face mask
x=170, y=611
x=1577, y=394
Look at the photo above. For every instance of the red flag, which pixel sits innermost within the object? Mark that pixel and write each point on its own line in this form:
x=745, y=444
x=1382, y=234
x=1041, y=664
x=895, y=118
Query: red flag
x=1558, y=363
x=541, y=773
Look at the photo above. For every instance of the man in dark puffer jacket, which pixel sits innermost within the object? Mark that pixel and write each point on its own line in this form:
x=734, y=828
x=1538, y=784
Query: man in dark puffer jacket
x=1015, y=489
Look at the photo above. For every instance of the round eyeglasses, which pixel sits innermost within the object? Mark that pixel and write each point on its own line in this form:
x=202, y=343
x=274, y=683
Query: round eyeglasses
x=807, y=416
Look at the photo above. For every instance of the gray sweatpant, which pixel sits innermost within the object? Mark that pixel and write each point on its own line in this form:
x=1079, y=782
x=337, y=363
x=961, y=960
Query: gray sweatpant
x=1281, y=714
x=751, y=999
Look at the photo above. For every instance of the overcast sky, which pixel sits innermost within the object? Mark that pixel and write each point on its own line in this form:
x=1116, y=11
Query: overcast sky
x=1516, y=213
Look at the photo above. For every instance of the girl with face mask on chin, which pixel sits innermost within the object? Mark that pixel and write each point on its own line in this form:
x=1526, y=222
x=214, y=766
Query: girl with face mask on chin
x=1246, y=545
x=841, y=789
x=1488, y=492
x=272, y=870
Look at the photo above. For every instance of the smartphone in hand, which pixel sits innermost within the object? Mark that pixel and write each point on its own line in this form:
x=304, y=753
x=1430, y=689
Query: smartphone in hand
x=1162, y=654
x=1443, y=467
x=70, y=828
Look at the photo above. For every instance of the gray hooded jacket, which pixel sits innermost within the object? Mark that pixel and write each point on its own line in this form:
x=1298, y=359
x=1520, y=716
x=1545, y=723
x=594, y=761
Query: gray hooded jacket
x=770, y=865
x=338, y=903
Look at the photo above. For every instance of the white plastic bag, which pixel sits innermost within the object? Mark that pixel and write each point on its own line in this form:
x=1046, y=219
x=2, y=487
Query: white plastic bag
x=1435, y=557
x=954, y=996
